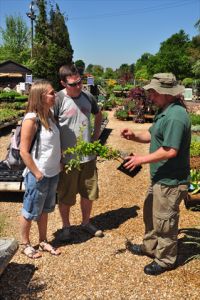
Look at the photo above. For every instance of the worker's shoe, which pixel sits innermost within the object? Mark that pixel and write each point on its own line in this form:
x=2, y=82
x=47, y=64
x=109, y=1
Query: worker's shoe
x=155, y=269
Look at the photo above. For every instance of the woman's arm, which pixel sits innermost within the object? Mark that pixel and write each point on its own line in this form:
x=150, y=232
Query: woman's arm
x=28, y=131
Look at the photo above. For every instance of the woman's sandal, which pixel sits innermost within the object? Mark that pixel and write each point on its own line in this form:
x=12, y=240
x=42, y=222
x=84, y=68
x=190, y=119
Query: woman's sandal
x=45, y=246
x=30, y=252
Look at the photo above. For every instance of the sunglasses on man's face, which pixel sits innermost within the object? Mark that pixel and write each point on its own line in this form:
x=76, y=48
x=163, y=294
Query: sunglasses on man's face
x=73, y=84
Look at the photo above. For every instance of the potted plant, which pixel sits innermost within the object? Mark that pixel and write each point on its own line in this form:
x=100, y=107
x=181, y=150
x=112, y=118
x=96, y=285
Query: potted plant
x=83, y=148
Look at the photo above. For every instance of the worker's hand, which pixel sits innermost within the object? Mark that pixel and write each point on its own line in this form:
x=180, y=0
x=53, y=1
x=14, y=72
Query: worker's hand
x=132, y=161
x=127, y=134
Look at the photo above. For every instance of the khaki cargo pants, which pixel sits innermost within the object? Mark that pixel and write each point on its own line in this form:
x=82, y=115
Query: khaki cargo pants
x=161, y=216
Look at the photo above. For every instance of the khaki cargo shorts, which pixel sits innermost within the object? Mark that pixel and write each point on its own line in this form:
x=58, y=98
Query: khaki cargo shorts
x=83, y=182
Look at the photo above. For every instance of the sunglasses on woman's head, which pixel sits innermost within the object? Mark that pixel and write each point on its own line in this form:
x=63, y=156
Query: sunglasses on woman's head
x=73, y=84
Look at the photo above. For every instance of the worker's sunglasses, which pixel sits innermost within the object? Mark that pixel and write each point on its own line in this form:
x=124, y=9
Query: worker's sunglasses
x=73, y=84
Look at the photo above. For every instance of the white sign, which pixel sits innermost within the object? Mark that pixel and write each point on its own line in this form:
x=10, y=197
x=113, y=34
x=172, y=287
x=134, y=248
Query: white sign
x=22, y=86
x=90, y=80
x=188, y=94
x=29, y=78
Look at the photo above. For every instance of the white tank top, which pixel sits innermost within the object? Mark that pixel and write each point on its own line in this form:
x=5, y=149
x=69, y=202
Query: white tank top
x=49, y=151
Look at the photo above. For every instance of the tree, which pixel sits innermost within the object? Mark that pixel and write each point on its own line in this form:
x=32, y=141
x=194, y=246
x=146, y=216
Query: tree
x=196, y=69
x=97, y=71
x=197, y=25
x=80, y=66
x=89, y=69
x=41, y=26
x=124, y=73
x=173, y=55
x=16, y=40
x=141, y=66
x=52, y=47
x=109, y=74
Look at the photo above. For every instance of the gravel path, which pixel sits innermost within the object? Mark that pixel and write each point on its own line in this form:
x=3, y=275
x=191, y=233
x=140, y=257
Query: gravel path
x=101, y=268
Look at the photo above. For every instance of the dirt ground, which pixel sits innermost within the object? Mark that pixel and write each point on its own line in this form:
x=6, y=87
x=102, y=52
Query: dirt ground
x=101, y=268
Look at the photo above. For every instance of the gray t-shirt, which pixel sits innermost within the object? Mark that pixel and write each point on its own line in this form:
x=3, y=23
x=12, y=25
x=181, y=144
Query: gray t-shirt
x=73, y=115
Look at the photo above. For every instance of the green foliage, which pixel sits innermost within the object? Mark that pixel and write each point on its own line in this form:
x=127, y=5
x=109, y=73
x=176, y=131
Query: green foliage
x=195, y=180
x=196, y=68
x=21, y=98
x=121, y=114
x=118, y=87
x=195, y=148
x=195, y=119
x=7, y=114
x=14, y=105
x=52, y=46
x=16, y=40
x=109, y=74
x=104, y=115
x=16, y=36
x=187, y=82
x=173, y=56
x=80, y=66
x=125, y=73
x=196, y=128
x=107, y=105
x=83, y=148
x=9, y=95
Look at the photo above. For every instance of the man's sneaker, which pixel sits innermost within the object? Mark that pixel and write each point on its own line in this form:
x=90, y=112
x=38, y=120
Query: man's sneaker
x=64, y=234
x=92, y=230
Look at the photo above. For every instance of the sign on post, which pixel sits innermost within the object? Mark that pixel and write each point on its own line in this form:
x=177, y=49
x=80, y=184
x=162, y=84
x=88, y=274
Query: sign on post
x=90, y=80
x=29, y=78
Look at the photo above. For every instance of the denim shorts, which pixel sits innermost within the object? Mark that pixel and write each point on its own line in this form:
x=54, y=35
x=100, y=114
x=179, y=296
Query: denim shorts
x=39, y=197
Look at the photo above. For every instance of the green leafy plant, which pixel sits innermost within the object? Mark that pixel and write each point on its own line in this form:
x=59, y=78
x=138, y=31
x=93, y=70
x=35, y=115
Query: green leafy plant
x=195, y=148
x=121, y=114
x=9, y=114
x=83, y=148
x=195, y=181
x=195, y=119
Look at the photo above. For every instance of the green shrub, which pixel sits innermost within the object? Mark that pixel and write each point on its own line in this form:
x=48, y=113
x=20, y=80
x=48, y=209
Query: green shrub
x=195, y=148
x=195, y=119
x=21, y=98
x=13, y=105
x=187, y=82
x=195, y=128
x=121, y=114
x=107, y=105
x=9, y=95
x=9, y=114
x=118, y=87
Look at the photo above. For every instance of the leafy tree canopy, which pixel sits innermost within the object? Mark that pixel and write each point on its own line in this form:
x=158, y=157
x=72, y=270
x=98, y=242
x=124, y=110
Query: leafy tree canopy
x=52, y=47
x=80, y=66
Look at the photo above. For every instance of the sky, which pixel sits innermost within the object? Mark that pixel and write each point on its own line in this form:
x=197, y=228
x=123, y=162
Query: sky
x=114, y=32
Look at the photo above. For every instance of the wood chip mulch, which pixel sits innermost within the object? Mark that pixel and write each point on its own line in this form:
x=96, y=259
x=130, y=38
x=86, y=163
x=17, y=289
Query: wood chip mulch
x=101, y=268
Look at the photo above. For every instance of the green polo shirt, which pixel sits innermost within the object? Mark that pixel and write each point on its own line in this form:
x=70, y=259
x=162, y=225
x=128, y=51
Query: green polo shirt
x=171, y=128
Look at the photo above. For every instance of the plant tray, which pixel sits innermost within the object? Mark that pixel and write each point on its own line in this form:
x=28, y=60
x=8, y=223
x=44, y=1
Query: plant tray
x=128, y=172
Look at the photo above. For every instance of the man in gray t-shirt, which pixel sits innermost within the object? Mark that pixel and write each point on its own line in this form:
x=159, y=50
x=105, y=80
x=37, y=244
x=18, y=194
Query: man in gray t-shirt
x=73, y=109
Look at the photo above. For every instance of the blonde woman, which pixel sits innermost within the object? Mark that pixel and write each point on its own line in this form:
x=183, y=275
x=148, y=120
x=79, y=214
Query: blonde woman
x=41, y=172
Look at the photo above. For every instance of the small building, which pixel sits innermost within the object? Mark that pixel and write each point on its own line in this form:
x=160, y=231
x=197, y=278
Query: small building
x=12, y=73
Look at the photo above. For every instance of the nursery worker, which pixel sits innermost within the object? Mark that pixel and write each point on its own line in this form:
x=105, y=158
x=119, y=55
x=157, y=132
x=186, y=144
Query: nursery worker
x=169, y=138
x=41, y=173
x=73, y=110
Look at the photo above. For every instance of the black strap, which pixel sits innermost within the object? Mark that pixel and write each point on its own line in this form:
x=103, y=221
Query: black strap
x=36, y=138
